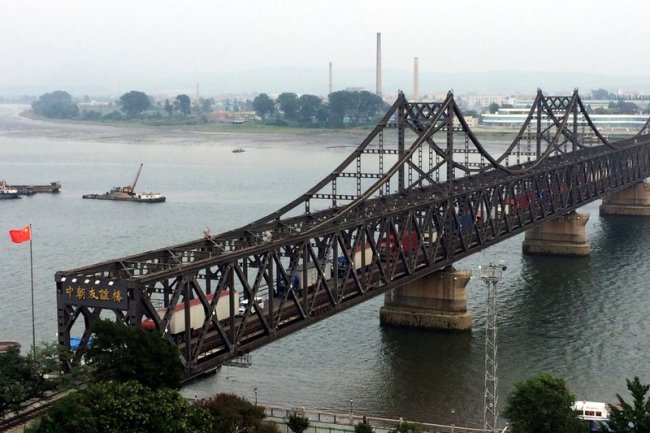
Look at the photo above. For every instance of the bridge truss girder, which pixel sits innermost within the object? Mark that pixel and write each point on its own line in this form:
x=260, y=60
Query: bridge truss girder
x=439, y=211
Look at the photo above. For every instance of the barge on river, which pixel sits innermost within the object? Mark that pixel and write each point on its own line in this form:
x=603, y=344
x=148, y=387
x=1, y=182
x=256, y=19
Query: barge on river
x=53, y=187
x=127, y=193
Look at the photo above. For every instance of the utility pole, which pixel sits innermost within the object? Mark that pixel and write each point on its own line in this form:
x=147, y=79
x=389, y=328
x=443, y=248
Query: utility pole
x=491, y=275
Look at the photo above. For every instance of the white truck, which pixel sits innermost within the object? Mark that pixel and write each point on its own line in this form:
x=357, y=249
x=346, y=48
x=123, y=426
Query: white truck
x=176, y=325
x=360, y=256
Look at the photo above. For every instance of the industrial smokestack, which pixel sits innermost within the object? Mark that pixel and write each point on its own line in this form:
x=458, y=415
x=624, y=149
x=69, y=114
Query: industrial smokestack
x=330, y=88
x=378, y=64
x=416, y=80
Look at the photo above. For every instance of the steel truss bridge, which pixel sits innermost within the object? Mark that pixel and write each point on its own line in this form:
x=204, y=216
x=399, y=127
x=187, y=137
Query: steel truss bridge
x=419, y=193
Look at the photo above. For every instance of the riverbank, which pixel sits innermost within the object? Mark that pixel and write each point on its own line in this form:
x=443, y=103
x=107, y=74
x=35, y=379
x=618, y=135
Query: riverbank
x=250, y=127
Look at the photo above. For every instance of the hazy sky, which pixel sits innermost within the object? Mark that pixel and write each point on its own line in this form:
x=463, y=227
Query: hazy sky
x=159, y=45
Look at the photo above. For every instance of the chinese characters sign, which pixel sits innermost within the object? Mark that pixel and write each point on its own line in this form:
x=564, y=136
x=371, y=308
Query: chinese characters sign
x=102, y=292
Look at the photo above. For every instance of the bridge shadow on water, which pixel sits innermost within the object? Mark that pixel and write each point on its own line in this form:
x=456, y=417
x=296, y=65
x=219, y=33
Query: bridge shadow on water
x=428, y=374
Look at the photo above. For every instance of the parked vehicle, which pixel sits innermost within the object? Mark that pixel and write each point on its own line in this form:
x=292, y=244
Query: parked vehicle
x=360, y=256
x=296, y=279
x=388, y=247
x=259, y=303
x=176, y=324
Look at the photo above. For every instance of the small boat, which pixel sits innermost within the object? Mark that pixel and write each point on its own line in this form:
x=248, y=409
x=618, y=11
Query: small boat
x=127, y=193
x=6, y=192
x=594, y=413
x=591, y=410
x=238, y=150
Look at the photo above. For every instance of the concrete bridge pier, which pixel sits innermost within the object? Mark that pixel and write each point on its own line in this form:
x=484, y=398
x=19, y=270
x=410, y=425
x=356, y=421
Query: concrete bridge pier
x=632, y=201
x=436, y=302
x=563, y=236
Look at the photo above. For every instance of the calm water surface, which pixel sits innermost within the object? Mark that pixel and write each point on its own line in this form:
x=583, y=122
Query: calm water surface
x=585, y=320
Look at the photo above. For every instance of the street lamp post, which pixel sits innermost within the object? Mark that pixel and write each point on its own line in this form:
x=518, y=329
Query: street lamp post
x=453, y=420
x=255, y=390
x=351, y=422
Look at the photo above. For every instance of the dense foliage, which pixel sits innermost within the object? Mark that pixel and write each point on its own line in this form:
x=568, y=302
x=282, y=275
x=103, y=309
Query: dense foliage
x=297, y=422
x=24, y=377
x=232, y=414
x=56, y=105
x=123, y=407
x=263, y=105
x=635, y=417
x=542, y=404
x=182, y=104
x=133, y=103
x=124, y=353
x=363, y=427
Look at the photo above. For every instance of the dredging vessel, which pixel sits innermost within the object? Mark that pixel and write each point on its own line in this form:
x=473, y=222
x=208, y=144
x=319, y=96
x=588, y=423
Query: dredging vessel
x=127, y=193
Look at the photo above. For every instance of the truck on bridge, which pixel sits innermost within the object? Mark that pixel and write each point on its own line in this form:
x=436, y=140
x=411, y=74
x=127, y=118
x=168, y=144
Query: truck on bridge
x=176, y=323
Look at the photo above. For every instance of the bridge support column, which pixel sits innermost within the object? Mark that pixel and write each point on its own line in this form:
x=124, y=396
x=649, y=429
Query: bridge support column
x=435, y=302
x=632, y=201
x=564, y=236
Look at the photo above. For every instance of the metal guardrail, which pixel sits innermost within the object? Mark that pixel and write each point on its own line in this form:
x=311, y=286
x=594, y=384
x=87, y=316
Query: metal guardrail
x=333, y=422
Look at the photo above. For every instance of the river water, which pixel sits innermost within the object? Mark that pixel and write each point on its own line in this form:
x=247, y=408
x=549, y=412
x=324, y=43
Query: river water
x=585, y=320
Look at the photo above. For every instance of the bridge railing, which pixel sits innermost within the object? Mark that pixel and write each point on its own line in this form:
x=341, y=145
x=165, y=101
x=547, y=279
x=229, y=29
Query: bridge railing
x=336, y=422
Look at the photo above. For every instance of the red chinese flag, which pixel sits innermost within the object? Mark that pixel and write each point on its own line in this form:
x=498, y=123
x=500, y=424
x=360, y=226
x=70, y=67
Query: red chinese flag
x=21, y=235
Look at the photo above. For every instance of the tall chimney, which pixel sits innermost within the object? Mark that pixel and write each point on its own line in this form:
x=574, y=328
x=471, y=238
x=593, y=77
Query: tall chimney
x=416, y=80
x=378, y=64
x=330, y=88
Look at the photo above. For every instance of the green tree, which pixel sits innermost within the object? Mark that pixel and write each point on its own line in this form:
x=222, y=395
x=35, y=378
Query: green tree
x=263, y=105
x=493, y=107
x=542, y=404
x=231, y=413
x=363, y=427
x=183, y=104
x=56, y=105
x=124, y=353
x=635, y=417
x=289, y=105
x=23, y=377
x=340, y=103
x=297, y=422
x=133, y=103
x=309, y=106
x=123, y=407
x=368, y=106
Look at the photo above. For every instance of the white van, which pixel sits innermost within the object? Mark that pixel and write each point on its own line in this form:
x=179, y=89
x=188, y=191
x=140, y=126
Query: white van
x=244, y=303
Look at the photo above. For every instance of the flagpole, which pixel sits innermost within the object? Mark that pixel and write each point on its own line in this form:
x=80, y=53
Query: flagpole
x=31, y=269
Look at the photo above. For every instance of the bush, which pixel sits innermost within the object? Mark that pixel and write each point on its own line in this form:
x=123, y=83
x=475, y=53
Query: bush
x=297, y=422
x=114, y=115
x=91, y=115
x=231, y=413
x=363, y=428
x=122, y=407
x=542, y=404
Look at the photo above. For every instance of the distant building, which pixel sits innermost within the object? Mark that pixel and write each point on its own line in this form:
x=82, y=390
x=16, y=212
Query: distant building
x=515, y=117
